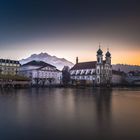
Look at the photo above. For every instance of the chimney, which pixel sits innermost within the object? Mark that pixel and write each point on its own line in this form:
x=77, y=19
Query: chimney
x=76, y=60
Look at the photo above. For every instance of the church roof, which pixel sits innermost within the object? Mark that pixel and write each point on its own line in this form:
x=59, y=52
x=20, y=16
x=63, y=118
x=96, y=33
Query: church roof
x=108, y=54
x=99, y=52
x=84, y=65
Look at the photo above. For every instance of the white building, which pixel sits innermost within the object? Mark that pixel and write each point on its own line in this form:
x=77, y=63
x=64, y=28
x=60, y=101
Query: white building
x=9, y=67
x=41, y=73
x=95, y=72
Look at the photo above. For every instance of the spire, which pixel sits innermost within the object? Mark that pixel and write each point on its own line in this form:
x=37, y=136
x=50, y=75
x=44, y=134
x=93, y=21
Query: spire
x=99, y=52
x=107, y=49
x=99, y=45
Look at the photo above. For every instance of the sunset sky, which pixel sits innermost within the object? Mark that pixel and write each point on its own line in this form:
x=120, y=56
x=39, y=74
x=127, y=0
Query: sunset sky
x=70, y=28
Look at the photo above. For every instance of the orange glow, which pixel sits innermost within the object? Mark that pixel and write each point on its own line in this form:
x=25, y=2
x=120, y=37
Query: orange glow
x=85, y=49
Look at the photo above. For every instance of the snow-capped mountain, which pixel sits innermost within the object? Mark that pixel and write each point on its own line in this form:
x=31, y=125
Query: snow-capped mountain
x=53, y=60
x=61, y=62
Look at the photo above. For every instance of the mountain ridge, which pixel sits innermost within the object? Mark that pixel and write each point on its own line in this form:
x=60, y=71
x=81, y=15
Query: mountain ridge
x=61, y=62
x=50, y=59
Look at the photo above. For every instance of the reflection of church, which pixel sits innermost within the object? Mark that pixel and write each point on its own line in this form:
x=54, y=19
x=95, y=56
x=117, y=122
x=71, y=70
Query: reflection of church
x=95, y=72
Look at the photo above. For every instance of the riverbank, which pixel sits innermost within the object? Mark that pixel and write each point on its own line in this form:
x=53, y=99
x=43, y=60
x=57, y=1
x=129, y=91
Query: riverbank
x=13, y=81
x=26, y=84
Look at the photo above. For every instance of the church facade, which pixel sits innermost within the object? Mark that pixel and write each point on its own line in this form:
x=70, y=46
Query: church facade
x=97, y=72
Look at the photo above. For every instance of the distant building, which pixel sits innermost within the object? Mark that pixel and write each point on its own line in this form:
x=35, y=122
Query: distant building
x=133, y=77
x=118, y=77
x=95, y=72
x=9, y=67
x=41, y=73
x=134, y=73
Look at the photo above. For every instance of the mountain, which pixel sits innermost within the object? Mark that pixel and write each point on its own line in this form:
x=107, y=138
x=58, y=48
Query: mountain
x=61, y=62
x=126, y=68
x=53, y=60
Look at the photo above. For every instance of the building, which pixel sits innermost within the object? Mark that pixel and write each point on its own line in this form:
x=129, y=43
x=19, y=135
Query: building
x=133, y=78
x=9, y=67
x=41, y=73
x=118, y=77
x=97, y=72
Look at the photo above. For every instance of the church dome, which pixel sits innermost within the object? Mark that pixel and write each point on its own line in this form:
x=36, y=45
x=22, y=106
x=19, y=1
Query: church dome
x=108, y=54
x=99, y=52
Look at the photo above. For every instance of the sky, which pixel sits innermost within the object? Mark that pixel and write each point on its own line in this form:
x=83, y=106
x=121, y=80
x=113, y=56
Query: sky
x=71, y=28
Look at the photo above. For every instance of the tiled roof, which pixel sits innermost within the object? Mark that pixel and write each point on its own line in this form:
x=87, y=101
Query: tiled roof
x=84, y=65
x=38, y=63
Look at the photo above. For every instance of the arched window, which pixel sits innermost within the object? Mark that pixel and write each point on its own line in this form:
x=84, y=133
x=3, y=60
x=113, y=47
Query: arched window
x=98, y=71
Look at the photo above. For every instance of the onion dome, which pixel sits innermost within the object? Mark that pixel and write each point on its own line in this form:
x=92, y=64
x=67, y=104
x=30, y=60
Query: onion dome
x=99, y=52
x=108, y=54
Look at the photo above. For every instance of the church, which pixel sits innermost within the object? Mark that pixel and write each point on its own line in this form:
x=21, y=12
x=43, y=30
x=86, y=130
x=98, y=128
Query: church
x=97, y=72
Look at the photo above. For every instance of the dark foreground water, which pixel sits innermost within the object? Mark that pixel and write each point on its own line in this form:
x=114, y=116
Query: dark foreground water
x=75, y=114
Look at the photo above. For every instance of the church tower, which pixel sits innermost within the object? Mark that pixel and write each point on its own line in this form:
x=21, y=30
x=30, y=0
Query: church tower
x=108, y=57
x=99, y=66
x=99, y=56
x=108, y=68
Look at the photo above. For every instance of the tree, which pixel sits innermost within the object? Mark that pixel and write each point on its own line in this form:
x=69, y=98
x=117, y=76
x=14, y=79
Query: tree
x=66, y=75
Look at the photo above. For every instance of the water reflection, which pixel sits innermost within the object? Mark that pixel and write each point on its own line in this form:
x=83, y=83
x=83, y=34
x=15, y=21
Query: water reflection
x=58, y=113
x=103, y=111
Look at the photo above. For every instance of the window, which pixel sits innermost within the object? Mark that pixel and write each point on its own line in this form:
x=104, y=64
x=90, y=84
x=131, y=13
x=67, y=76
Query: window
x=98, y=59
x=98, y=71
x=98, y=80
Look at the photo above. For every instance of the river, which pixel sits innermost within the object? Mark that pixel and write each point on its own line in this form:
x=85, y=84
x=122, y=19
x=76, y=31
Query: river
x=70, y=113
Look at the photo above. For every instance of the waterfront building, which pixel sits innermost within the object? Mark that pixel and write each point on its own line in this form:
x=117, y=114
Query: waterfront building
x=133, y=77
x=41, y=73
x=118, y=77
x=97, y=72
x=9, y=67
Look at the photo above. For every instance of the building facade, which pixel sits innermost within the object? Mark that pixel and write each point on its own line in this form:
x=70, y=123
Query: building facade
x=118, y=77
x=133, y=78
x=97, y=72
x=41, y=73
x=9, y=67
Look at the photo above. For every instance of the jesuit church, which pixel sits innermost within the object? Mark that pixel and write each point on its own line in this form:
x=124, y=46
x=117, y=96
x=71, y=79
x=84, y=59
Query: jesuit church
x=97, y=72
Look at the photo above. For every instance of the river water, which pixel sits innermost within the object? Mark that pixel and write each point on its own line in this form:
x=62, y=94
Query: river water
x=70, y=113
